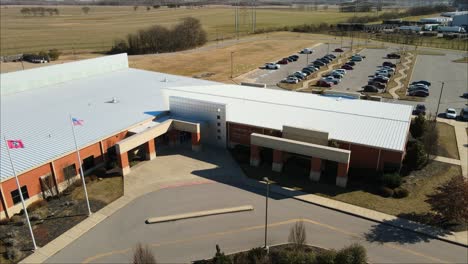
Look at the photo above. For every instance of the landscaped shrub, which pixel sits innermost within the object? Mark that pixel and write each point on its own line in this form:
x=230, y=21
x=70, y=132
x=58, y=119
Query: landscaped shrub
x=16, y=218
x=385, y=191
x=326, y=257
x=4, y=221
x=256, y=255
x=354, y=254
x=391, y=180
x=295, y=256
x=12, y=253
x=417, y=126
x=35, y=205
x=416, y=156
x=54, y=54
x=10, y=242
x=34, y=217
x=400, y=193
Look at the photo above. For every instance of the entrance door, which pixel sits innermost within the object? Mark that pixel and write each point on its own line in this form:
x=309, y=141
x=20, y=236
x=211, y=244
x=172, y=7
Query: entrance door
x=330, y=170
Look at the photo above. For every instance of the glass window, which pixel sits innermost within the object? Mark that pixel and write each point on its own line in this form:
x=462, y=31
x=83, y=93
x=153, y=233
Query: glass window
x=15, y=196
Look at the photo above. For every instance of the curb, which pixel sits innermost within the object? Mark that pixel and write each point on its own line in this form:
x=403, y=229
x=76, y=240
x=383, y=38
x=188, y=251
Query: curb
x=300, y=193
x=169, y=218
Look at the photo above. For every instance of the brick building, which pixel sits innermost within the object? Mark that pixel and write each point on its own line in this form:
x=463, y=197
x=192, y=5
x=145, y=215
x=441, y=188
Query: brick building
x=124, y=109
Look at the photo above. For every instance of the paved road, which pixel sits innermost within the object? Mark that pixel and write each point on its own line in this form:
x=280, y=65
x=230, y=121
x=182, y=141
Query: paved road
x=111, y=241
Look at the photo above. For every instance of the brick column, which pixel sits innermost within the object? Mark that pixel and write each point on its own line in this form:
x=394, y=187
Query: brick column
x=254, y=155
x=150, y=150
x=277, y=164
x=196, y=145
x=123, y=163
x=315, y=169
x=173, y=137
x=4, y=213
x=342, y=175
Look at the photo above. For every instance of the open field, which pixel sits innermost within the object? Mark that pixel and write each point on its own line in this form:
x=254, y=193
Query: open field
x=447, y=145
x=73, y=30
x=214, y=63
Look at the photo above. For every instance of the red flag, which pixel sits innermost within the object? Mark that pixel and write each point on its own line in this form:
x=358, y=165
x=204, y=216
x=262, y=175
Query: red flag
x=17, y=143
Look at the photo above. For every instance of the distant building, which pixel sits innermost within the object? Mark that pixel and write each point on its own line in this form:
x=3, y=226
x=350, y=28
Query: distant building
x=436, y=20
x=460, y=20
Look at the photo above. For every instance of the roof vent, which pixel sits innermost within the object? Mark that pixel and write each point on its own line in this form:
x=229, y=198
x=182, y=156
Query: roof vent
x=113, y=101
x=165, y=80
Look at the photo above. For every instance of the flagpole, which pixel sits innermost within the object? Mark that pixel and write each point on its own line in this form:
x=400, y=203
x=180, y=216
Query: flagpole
x=81, y=167
x=21, y=195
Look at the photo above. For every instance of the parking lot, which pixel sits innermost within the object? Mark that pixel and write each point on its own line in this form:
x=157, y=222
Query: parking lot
x=438, y=69
x=272, y=77
x=355, y=79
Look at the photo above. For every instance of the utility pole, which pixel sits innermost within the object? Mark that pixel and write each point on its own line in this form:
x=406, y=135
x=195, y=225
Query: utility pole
x=440, y=97
x=266, y=211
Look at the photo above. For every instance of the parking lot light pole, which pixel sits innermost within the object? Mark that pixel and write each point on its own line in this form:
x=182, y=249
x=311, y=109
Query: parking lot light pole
x=232, y=52
x=440, y=96
x=307, y=60
x=266, y=211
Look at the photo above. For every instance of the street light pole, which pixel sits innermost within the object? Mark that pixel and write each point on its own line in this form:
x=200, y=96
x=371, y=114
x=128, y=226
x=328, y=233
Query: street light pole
x=266, y=211
x=232, y=52
x=440, y=96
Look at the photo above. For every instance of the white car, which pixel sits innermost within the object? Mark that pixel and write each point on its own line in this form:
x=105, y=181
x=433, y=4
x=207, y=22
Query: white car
x=272, y=66
x=340, y=71
x=291, y=80
x=301, y=73
x=306, y=51
x=451, y=113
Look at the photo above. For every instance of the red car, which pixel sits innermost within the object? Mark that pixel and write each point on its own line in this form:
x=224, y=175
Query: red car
x=323, y=83
x=283, y=61
x=347, y=67
x=339, y=50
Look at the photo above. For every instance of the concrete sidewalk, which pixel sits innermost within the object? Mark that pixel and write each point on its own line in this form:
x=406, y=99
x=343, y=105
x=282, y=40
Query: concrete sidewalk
x=458, y=238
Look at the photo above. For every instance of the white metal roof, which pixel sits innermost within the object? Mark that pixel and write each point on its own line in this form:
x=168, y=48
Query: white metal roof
x=383, y=125
x=39, y=116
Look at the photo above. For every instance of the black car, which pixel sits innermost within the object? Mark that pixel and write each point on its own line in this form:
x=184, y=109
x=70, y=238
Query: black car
x=308, y=70
x=298, y=76
x=419, y=109
x=331, y=55
x=421, y=82
x=370, y=89
x=294, y=57
x=288, y=59
x=380, y=80
x=320, y=63
x=351, y=63
x=327, y=59
x=389, y=64
x=323, y=61
x=379, y=85
x=393, y=56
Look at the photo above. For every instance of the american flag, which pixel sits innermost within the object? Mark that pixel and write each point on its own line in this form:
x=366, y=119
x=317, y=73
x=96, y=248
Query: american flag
x=77, y=122
x=16, y=143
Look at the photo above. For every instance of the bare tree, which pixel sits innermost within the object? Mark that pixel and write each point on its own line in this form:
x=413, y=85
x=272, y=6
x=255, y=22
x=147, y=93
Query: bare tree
x=297, y=235
x=143, y=255
x=451, y=200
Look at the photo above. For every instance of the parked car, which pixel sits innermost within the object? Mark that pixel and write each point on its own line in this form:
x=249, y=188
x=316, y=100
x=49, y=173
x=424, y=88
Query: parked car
x=419, y=93
x=419, y=109
x=377, y=84
x=389, y=69
x=339, y=50
x=299, y=75
x=306, y=51
x=464, y=114
x=312, y=68
x=393, y=56
x=421, y=82
x=322, y=83
x=288, y=59
x=356, y=58
x=451, y=113
x=351, y=63
x=331, y=79
x=465, y=95
x=370, y=89
x=308, y=71
x=291, y=79
x=294, y=57
x=272, y=66
x=283, y=61
x=320, y=63
x=347, y=67
x=35, y=58
x=341, y=71
x=381, y=79
x=325, y=60
x=418, y=87
x=390, y=64
x=331, y=55
x=382, y=73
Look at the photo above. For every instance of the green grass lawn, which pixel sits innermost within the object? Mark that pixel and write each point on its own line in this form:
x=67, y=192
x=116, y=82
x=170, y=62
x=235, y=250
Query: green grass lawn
x=447, y=145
